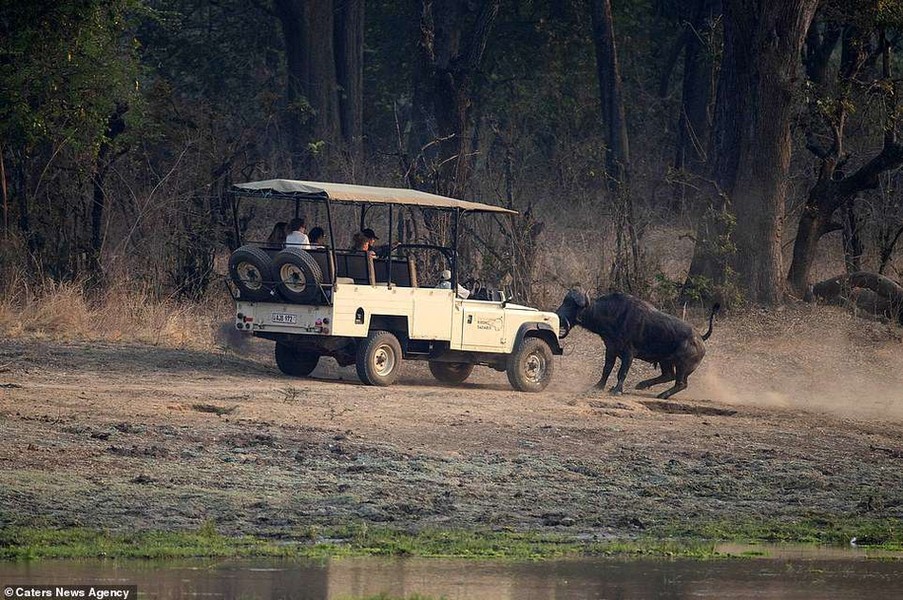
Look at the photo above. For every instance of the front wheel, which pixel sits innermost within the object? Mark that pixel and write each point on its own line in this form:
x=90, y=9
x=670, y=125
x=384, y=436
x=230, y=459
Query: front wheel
x=378, y=359
x=530, y=366
x=294, y=362
x=453, y=373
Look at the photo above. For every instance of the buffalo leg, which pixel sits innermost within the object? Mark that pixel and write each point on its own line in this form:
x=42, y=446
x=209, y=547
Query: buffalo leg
x=679, y=384
x=666, y=376
x=626, y=361
x=609, y=365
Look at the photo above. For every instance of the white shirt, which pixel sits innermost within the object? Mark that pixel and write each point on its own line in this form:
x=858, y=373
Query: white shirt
x=297, y=238
x=463, y=292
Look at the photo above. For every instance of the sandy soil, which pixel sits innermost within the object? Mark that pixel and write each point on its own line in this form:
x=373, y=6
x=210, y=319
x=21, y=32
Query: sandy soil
x=793, y=414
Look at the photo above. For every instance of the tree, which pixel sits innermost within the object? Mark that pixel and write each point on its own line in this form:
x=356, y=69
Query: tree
x=698, y=89
x=349, y=59
x=324, y=58
x=617, y=148
x=67, y=74
x=611, y=96
x=751, y=140
x=449, y=54
x=311, y=83
x=863, y=43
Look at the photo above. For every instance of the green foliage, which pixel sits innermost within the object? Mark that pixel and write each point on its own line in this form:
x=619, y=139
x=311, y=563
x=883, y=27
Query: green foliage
x=695, y=540
x=63, y=68
x=355, y=539
x=837, y=530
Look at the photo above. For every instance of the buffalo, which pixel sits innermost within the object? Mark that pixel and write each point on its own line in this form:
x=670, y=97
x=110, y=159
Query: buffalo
x=633, y=328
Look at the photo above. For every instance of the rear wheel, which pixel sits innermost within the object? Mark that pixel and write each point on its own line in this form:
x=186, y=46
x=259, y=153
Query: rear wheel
x=531, y=365
x=379, y=358
x=294, y=362
x=453, y=373
x=252, y=272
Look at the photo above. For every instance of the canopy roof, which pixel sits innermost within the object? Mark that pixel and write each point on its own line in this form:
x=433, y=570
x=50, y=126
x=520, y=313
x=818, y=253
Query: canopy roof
x=364, y=194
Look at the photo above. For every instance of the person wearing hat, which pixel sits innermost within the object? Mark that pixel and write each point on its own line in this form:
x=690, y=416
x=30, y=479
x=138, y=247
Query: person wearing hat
x=381, y=251
x=445, y=284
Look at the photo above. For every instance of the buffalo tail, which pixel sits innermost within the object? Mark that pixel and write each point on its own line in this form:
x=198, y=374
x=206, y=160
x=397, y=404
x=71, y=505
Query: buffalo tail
x=708, y=333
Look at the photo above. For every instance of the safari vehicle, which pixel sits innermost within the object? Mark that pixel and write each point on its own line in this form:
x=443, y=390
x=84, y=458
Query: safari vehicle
x=373, y=311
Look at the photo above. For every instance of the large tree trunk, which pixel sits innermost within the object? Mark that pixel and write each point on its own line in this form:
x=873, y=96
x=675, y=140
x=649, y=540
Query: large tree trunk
x=307, y=28
x=449, y=53
x=611, y=95
x=885, y=299
x=751, y=147
x=626, y=265
x=349, y=58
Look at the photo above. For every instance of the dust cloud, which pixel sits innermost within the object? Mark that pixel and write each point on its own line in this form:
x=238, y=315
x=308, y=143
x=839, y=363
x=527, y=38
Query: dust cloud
x=810, y=358
x=816, y=359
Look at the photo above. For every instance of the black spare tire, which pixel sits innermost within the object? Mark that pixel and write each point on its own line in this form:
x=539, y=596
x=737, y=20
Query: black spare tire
x=251, y=270
x=298, y=276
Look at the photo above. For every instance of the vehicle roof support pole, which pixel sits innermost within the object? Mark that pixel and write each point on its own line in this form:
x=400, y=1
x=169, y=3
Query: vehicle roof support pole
x=331, y=234
x=391, y=214
x=454, y=265
x=297, y=207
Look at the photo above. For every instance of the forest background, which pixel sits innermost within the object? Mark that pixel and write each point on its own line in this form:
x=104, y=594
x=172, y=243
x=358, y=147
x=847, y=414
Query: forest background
x=684, y=151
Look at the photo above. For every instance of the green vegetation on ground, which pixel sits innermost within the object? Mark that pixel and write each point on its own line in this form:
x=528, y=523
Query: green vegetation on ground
x=27, y=543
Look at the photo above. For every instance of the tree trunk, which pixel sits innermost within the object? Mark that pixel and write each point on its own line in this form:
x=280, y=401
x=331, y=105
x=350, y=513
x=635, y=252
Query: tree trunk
x=821, y=39
x=888, y=295
x=349, y=59
x=115, y=126
x=814, y=223
x=448, y=57
x=307, y=28
x=694, y=123
x=611, y=95
x=751, y=147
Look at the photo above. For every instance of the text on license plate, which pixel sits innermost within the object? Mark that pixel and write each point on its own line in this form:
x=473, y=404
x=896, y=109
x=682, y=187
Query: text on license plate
x=285, y=318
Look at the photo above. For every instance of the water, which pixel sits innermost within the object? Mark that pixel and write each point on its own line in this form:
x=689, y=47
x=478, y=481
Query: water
x=787, y=573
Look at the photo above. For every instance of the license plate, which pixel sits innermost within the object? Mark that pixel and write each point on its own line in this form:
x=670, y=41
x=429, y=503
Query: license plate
x=285, y=318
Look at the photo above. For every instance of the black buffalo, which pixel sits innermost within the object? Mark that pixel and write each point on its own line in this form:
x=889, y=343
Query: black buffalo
x=632, y=328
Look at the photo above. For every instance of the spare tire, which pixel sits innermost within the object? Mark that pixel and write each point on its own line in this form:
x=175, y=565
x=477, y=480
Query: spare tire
x=252, y=272
x=298, y=276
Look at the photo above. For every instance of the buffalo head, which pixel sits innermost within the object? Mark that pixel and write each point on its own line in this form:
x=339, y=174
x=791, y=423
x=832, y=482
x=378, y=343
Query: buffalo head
x=575, y=301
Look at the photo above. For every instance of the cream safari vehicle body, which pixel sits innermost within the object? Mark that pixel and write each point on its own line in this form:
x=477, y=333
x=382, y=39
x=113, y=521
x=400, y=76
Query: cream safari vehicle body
x=373, y=312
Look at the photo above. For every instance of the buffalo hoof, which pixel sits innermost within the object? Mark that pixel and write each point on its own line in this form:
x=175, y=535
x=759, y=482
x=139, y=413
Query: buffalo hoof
x=615, y=391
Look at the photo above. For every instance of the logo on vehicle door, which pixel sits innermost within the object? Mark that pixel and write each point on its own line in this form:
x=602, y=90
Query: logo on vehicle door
x=489, y=323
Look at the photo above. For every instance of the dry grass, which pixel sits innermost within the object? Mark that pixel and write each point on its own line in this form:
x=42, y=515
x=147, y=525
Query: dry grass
x=127, y=311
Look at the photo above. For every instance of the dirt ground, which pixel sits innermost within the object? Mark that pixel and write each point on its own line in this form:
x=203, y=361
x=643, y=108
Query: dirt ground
x=793, y=414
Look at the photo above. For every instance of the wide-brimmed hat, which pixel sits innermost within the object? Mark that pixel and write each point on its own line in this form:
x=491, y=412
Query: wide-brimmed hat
x=369, y=233
x=445, y=275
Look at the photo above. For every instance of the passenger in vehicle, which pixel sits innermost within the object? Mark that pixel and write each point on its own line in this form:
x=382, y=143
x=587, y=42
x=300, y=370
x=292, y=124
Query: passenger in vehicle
x=381, y=251
x=445, y=284
x=317, y=237
x=361, y=243
x=277, y=236
x=297, y=235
